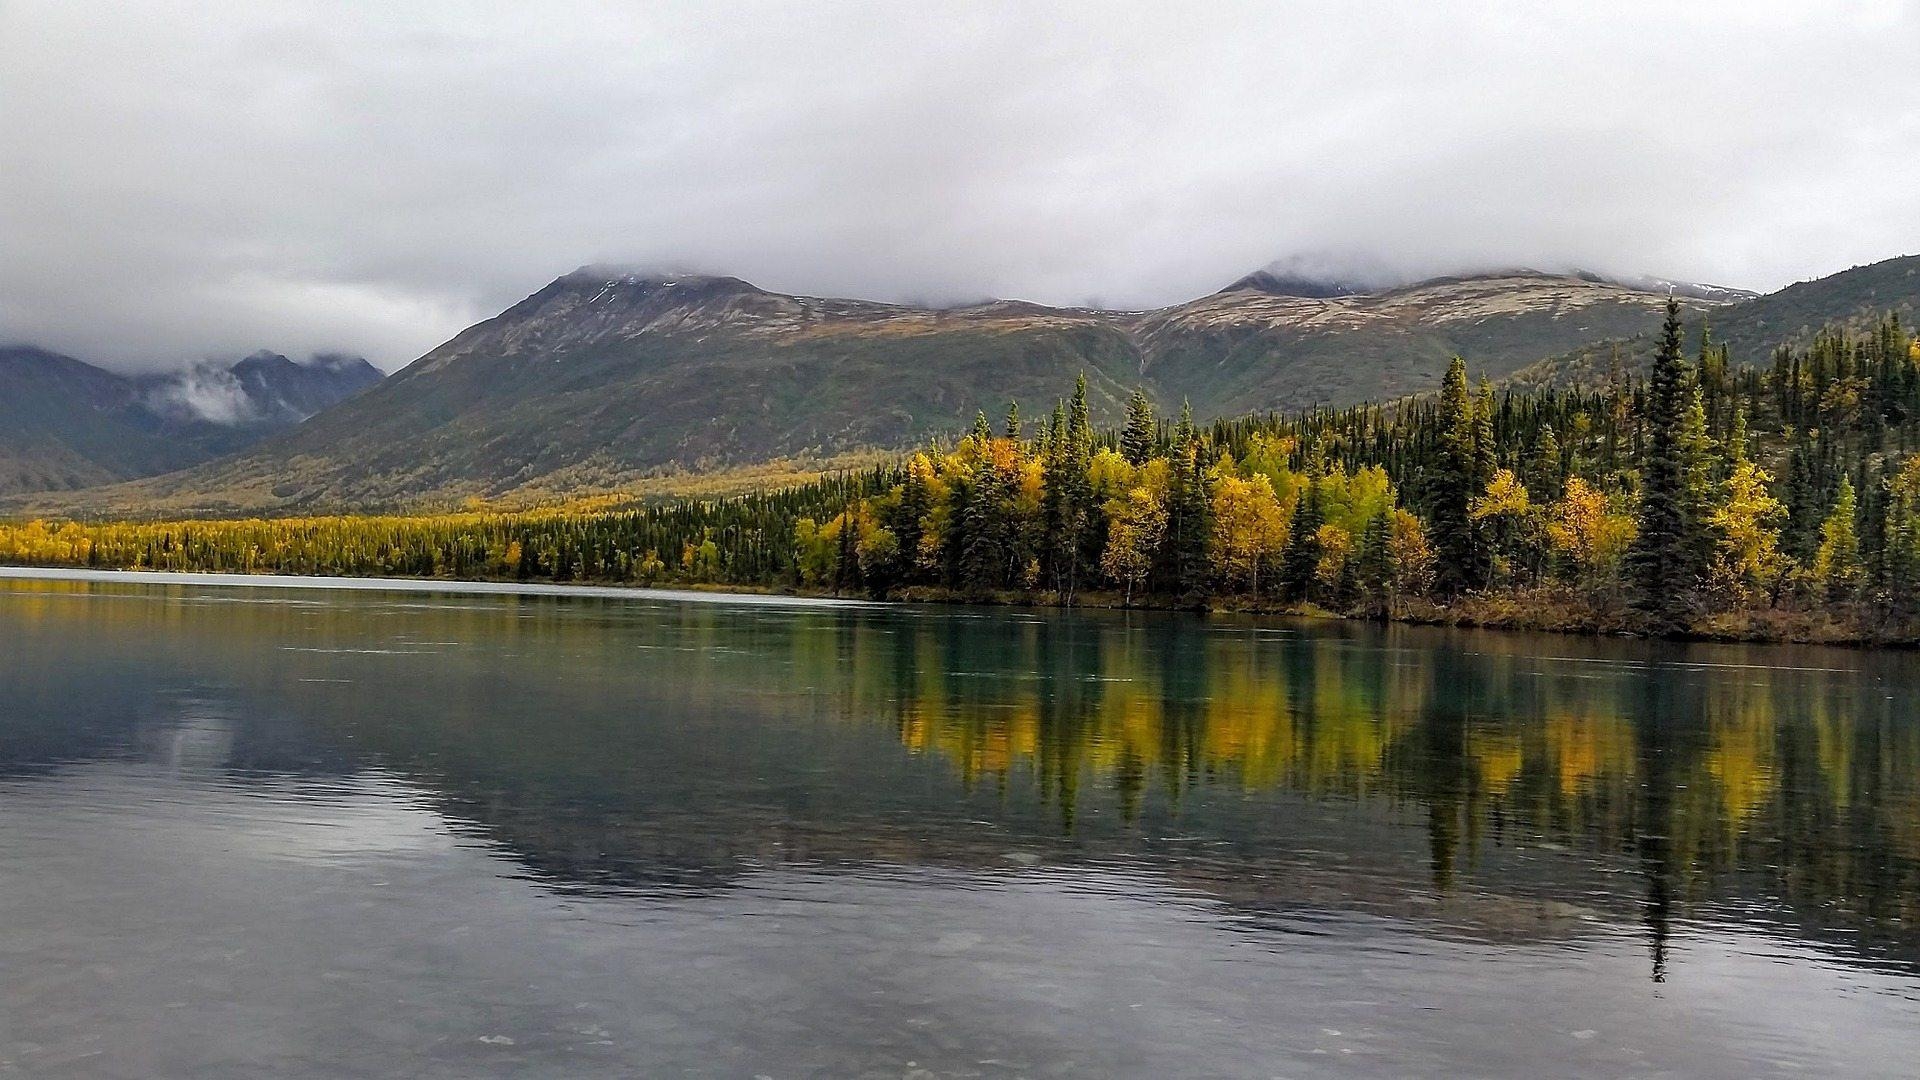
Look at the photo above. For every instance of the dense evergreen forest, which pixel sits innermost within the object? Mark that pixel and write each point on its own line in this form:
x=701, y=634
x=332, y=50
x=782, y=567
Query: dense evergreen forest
x=1705, y=497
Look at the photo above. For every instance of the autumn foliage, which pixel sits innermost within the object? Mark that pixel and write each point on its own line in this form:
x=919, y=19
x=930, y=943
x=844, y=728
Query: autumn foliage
x=1660, y=504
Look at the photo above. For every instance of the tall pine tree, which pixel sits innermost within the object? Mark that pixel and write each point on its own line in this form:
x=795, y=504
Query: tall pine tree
x=1142, y=430
x=1460, y=560
x=1189, y=528
x=1671, y=546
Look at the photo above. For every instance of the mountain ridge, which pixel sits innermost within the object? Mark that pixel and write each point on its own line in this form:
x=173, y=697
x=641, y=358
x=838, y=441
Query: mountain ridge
x=1752, y=329
x=602, y=377
x=69, y=424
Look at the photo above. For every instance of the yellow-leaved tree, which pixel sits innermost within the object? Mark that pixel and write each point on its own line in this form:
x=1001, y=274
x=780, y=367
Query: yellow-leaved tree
x=1135, y=523
x=1336, y=547
x=1505, y=512
x=1747, y=559
x=1249, y=527
x=1590, y=534
x=1836, y=562
x=1410, y=554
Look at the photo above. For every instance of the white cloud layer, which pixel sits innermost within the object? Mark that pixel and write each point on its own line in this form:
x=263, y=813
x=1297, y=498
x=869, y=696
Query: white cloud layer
x=183, y=180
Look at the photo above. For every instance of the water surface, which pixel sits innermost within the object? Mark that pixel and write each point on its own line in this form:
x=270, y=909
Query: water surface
x=299, y=832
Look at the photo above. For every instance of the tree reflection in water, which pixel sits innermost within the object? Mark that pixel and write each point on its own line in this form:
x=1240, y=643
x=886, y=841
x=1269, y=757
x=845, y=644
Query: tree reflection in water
x=625, y=745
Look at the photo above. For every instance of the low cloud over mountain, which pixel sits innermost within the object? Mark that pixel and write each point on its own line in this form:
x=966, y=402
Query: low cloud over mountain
x=187, y=180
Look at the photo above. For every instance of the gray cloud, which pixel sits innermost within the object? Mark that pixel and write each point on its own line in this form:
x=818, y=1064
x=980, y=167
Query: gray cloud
x=185, y=180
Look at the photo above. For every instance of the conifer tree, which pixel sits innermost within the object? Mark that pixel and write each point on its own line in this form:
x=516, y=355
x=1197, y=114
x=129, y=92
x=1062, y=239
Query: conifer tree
x=1079, y=418
x=1485, y=451
x=982, y=431
x=1069, y=509
x=1666, y=548
x=1459, y=566
x=985, y=524
x=1189, y=531
x=1545, y=477
x=1142, y=430
x=1376, y=571
x=1802, y=498
x=1301, y=555
x=910, y=513
x=1902, y=552
x=846, y=563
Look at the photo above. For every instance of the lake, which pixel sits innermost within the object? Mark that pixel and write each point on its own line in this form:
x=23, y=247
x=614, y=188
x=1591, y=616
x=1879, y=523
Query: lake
x=258, y=831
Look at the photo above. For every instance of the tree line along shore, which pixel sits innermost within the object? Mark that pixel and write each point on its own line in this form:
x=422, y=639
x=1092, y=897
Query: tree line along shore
x=1701, y=498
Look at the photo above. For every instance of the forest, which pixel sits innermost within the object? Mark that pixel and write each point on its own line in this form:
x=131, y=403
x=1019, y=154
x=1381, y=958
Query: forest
x=1700, y=498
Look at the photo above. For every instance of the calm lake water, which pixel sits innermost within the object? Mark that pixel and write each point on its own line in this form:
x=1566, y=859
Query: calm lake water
x=249, y=832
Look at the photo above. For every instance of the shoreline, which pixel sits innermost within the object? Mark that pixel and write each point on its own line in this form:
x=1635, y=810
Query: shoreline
x=1489, y=612
x=462, y=586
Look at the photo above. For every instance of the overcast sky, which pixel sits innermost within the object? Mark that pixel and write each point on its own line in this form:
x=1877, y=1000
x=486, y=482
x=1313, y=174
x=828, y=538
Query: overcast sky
x=207, y=178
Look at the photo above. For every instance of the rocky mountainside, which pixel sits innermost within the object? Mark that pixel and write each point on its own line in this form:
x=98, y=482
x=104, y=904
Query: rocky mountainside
x=65, y=424
x=604, y=375
x=1251, y=347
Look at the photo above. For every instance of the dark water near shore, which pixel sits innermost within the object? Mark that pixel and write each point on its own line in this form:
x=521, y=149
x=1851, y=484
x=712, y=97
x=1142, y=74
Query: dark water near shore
x=251, y=832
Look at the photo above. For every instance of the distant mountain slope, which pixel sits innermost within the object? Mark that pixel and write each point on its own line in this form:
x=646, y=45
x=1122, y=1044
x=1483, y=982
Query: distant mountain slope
x=602, y=375
x=65, y=424
x=1248, y=348
x=606, y=377
x=264, y=390
x=599, y=376
x=1753, y=329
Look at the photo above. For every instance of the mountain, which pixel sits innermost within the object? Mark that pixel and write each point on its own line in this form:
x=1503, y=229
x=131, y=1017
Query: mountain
x=65, y=424
x=605, y=375
x=1249, y=349
x=263, y=392
x=1279, y=283
x=69, y=425
x=1755, y=327
x=1685, y=289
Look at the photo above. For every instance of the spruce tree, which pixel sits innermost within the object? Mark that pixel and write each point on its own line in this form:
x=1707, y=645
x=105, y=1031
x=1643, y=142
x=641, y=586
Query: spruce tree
x=1901, y=549
x=1069, y=509
x=985, y=521
x=1485, y=458
x=1460, y=560
x=1546, y=476
x=1376, y=563
x=910, y=515
x=1301, y=555
x=1875, y=475
x=1079, y=419
x=1663, y=555
x=1142, y=430
x=1189, y=528
x=1802, y=497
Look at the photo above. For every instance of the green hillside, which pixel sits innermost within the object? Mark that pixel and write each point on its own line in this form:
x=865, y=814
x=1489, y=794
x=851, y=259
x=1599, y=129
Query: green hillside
x=1754, y=329
x=603, y=377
